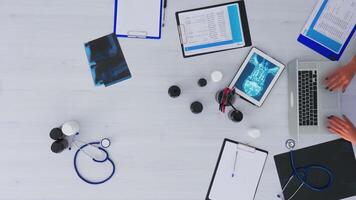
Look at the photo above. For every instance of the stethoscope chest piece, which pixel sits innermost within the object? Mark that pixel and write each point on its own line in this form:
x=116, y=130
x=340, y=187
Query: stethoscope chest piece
x=105, y=143
x=290, y=144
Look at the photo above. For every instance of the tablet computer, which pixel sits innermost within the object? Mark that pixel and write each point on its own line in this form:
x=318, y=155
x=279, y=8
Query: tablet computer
x=256, y=76
x=330, y=27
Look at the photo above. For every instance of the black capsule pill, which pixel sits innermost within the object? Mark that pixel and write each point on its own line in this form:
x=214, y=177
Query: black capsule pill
x=196, y=107
x=202, y=82
x=56, y=134
x=174, y=91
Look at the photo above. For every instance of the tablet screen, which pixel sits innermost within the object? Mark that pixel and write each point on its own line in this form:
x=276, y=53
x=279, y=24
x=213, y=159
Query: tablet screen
x=256, y=76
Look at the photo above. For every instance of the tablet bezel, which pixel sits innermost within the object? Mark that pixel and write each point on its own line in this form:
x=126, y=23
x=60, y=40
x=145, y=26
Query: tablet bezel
x=244, y=65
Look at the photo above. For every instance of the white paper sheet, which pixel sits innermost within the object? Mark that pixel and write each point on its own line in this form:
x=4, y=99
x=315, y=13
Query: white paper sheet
x=138, y=18
x=331, y=23
x=209, y=26
x=337, y=19
x=248, y=170
x=206, y=26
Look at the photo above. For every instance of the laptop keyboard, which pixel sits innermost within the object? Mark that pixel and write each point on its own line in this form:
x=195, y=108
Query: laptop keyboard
x=308, y=98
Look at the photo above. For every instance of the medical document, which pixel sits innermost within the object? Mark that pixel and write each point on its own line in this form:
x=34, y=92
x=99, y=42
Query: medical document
x=331, y=23
x=238, y=172
x=211, y=29
x=138, y=18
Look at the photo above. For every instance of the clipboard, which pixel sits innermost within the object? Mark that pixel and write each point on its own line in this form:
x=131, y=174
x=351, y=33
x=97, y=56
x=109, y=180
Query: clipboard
x=138, y=18
x=237, y=172
x=330, y=28
x=213, y=29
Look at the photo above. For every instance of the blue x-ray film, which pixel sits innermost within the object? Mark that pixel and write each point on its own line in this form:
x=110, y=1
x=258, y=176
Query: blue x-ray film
x=107, y=62
x=256, y=77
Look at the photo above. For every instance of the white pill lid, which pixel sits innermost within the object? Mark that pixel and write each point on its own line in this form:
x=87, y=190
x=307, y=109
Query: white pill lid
x=216, y=76
x=70, y=128
x=254, y=132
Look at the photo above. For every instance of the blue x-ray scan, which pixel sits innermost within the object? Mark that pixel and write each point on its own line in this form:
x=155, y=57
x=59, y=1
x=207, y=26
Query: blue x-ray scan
x=107, y=62
x=256, y=77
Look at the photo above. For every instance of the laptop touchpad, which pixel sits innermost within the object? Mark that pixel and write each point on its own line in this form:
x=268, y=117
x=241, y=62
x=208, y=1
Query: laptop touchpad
x=330, y=101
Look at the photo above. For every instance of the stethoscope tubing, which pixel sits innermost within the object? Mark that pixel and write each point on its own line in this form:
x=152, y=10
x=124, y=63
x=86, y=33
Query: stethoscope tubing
x=107, y=158
x=305, y=171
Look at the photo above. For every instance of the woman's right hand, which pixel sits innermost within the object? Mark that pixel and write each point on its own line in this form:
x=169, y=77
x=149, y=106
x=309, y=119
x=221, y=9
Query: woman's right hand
x=343, y=127
x=342, y=77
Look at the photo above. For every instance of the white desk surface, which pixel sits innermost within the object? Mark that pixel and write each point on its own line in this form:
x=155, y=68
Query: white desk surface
x=162, y=150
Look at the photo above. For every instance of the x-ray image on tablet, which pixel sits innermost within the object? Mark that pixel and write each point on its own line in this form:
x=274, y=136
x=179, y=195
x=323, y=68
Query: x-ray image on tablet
x=256, y=77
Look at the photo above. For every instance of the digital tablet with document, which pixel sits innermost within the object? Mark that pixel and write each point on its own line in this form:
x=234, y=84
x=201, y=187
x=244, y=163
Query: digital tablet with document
x=256, y=77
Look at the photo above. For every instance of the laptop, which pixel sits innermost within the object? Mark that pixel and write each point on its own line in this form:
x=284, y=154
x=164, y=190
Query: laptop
x=309, y=102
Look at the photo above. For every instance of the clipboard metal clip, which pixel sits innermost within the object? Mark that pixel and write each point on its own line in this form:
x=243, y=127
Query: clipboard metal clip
x=246, y=147
x=181, y=30
x=137, y=34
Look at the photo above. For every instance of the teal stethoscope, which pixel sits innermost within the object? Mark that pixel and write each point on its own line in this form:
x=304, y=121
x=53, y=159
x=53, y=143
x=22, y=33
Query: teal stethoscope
x=102, y=146
x=302, y=173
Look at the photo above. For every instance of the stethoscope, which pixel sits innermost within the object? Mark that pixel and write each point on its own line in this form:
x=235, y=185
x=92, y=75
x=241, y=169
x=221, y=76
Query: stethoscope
x=101, y=145
x=302, y=173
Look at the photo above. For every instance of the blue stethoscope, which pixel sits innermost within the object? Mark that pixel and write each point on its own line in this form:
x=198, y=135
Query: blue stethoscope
x=101, y=145
x=302, y=173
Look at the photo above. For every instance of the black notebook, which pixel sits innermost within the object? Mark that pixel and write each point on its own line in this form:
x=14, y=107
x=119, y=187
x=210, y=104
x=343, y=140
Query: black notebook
x=337, y=155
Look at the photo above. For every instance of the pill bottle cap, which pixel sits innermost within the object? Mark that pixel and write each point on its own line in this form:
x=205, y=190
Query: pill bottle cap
x=216, y=76
x=70, y=128
x=236, y=116
x=174, y=91
x=56, y=134
x=202, y=82
x=59, y=145
x=196, y=107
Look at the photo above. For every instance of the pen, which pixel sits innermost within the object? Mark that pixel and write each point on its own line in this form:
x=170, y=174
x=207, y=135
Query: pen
x=164, y=12
x=233, y=172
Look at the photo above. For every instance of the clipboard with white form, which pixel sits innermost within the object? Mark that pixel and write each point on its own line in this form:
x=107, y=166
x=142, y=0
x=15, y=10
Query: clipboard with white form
x=138, y=18
x=213, y=28
x=330, y=27
x=237, y=172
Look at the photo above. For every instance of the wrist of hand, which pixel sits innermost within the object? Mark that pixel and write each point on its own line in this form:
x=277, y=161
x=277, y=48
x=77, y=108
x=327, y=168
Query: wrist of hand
x=352, y=64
